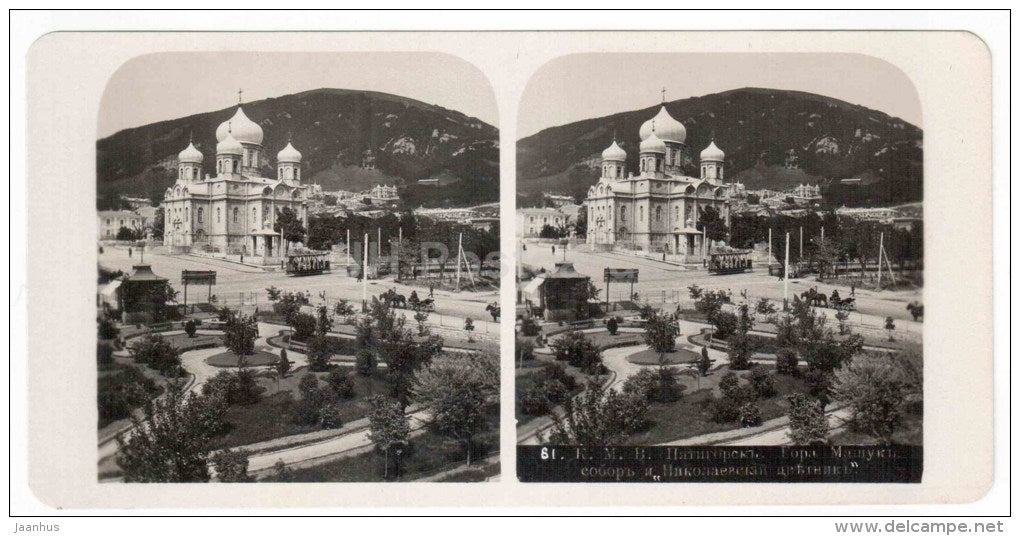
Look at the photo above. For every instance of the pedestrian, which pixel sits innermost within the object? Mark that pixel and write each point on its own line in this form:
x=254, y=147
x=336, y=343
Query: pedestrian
x=853, y=288
x=129, y=253
x=554, y=250
x=524, y=247
x=431, y=286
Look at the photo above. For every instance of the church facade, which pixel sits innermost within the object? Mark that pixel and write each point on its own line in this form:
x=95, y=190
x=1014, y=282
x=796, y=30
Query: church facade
x=659, y=207
x=235, y=210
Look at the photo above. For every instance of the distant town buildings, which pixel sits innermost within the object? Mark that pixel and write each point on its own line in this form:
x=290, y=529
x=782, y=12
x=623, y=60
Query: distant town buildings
x=531, y=220
x=111, y=221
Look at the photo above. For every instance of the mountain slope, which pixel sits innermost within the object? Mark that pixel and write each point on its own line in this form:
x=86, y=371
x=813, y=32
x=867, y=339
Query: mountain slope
x=333, y=129
x=772, y=139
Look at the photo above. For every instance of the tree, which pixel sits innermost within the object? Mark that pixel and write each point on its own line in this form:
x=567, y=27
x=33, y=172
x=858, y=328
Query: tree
x=344, y=310
x=340, y=383
x=240, y=333
x=232, y=466
x=660, y=334
x=574, y=348
x=469, y=326
x=388, y=428
x=171, y=444
x=190, y=327
x=158, y=224
x=289, y=226
x=808, y=424
x=890, y=326
x=156, y=352
x=283, y=364
x=874, y=387
x=598, y=418
x=320, y=351
x=304, y=326
x=457, y=389
x=704, y=364
x=421, y=316
x=125, y=233
x=366, y=362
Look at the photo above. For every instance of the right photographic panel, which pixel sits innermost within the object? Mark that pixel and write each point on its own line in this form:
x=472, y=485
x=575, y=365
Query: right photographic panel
x=719, y=270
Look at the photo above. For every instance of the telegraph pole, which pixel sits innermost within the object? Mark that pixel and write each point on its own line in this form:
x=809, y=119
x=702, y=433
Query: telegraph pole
x=460, y=242
x=364, y=277
x=348, y=247
x=786, y=272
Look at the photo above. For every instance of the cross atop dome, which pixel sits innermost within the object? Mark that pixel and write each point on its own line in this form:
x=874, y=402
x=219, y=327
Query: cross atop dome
x=239, y=95
x=664, y=94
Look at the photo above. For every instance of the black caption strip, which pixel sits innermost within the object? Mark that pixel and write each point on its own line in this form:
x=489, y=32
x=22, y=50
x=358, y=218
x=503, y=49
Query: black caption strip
x=564, y=463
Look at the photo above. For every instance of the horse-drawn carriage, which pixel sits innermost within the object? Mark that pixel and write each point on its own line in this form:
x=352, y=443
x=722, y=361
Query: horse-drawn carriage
x=399, y=301
x=818, y=299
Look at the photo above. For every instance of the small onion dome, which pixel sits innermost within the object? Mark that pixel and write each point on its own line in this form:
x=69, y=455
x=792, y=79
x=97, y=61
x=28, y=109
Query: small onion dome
x=244, y=130
x=665, y=127
x=614, y=152
x=712, y=153
x=289, y=154
x=653, y=144
x=190, y=155
x=229, y=145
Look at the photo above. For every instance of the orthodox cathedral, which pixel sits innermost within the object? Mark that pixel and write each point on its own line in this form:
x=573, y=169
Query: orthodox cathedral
x=659, y=207
x=234, y=210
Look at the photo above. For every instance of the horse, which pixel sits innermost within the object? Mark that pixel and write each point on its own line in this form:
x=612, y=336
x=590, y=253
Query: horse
x=398, y=300
x=916, y=310
x=814, y=297
x=493, y=310
x=428, y=304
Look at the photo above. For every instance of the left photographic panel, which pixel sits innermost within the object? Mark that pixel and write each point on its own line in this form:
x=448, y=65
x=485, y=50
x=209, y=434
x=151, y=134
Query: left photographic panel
x=298, y=272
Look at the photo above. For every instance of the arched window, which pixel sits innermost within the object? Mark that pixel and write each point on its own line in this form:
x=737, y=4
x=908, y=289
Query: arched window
x=200, y=214
x=254, y=215
x=623, y=213
x=194, y=173
x=237, y=214
x=641, y=213
x=658, y=213
x=235, y=165
x=219, y=215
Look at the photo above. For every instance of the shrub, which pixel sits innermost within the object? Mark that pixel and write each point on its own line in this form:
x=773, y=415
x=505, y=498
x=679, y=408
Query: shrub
x=641, y=384
x=283, y=364
x=765, y=307
x=107, y=329
x=190, y=327
x=156, y=352
x=762, y=382
x=612, y=326
x=231, y=466
x=525, y=350
x=533, y=401
x=786, y=361
x=529, y=327
x=366, y=362
x=118, y=394
x=695, y=292
x=725, y=324
x=808, y=424
x=739, y=350
x=304, y=326
x=704, y=363
x=628, y=412
x=341, y=384
x=330, y=416
x=729, y=384
x=577, y=350
x=558, y=372
x=104, y=354
x=750, y=415
x=725, y=410
x=237, y=387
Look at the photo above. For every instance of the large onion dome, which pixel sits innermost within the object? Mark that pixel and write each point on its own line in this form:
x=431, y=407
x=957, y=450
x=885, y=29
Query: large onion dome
x=653, y=144
x=190, y=155
x=229, y=145
x=244, y=130
x=712, y=153
x=665, y=127
x=289, y=154
x=614, y=152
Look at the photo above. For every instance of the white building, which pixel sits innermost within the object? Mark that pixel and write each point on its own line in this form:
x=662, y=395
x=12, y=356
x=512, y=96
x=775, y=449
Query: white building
x=659, y=207
x=236, y=209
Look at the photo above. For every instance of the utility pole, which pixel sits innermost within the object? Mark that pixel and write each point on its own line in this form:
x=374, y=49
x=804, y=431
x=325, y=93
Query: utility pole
x=770, y=247
x=800, y=250
x=786, y=272
x=348, y=247
x=881, y=237
x=364, y=278
x=378, y=245
x=460, y=242
x=823, y=234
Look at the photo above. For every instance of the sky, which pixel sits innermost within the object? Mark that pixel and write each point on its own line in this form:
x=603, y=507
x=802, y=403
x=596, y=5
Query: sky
x=583, y=86
x=164, y=86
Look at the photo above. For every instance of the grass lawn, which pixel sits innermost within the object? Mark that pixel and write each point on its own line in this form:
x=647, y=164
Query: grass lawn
x=273, y=415
x=182, y=342
x=260, y=358
x=474, y=474
x=431, y=453
x=677, y=357
x=692, y=415
x=604, y=340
